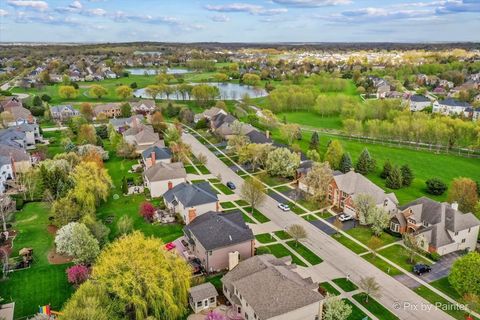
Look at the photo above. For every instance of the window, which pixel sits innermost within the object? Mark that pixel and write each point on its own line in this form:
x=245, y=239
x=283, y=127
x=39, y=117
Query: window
x=199, y=303
x=463, y=240
x=212, y=299
x=456, y=233
x=246, y=316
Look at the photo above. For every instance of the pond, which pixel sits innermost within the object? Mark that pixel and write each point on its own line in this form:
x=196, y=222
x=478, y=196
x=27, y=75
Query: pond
x=228, y=91
x=153, y=71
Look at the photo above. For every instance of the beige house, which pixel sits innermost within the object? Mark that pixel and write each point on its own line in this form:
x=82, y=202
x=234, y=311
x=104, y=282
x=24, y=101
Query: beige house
x=110, y=110
x=162, y=177
x=267, y=288
x=191, y=200
x=142, y=137
x=202, y=297
x=220, y=240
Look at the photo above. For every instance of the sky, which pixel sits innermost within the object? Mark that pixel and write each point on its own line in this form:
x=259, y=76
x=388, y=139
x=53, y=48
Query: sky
x=239, y=21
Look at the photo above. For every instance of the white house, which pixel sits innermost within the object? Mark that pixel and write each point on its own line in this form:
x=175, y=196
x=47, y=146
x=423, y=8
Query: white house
x=6, y=172
x=162, y=177
x=450, y=107
x=418, y=102
x=156, y=154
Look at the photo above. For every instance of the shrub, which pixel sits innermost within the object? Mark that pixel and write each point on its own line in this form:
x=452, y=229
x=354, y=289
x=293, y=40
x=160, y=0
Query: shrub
x=77, y=274
x=435, y=186
x=435, y=256
x=147, y=210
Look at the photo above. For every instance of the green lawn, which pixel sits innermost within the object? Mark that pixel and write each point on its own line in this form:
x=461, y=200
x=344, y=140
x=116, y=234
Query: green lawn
x=323, y=214
x=444, y=285
x=364, y=234
x=375, y=308
x=265, y=238
x=279, y=251
x=282, y=234
x=223, y=188
x=191, y=169
x=227, y=205
x=283, y=189
x=350, y=244
x=399, y=255
x=247, y=218
x=357, y=313
x=382, y=265
x=241, y=203
x=329, y=288
x=43, y=283
x=272, y=181
x=345, y=285
x=312, y=120
x=434, y=298
x=257, y=215
x=295, y=209
x=203, y=169
x=306, y=253
x=310, y=217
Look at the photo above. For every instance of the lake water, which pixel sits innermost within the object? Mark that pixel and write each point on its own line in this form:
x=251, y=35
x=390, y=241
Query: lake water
x=228, y=91
x=152, y=71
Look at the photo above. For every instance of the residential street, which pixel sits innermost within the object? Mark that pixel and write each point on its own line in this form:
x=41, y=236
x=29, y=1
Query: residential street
x=393, y=293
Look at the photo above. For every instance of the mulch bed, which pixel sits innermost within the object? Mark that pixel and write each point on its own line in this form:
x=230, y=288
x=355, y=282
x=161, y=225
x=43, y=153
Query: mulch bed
x=52, y=229
x=55, y=258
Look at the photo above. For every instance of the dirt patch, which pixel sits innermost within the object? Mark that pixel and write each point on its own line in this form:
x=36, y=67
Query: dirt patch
x=52, y=229
x=55, y=258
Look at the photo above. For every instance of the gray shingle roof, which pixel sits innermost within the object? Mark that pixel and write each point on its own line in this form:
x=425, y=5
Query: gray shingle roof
x=165, y=171
x=217, y=230
x=419, y=98
x=203, y=291
x=160, y=153
x=270, y=286
x=454, y=103
x=191, y=195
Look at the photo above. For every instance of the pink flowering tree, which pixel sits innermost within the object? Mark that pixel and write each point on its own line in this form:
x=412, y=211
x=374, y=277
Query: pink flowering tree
x=147, y=210
x=77, y=274
x=214, y=315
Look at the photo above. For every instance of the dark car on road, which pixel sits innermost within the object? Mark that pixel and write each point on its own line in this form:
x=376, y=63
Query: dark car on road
x=420, y=269
x=231, y=185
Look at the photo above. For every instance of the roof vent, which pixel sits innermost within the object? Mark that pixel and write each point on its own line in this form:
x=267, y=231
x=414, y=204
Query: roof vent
x=455, y=206
x=230, y=237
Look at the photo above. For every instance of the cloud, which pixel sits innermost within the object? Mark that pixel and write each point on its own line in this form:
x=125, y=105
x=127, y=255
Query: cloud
x=23, y=17
x=220, y=18
x=311, y=3
x=3, y=13
x=99, y=12
x=29, y=4
x=456, y=6
x=246, y=7
x=173, y=22
x=75, y=5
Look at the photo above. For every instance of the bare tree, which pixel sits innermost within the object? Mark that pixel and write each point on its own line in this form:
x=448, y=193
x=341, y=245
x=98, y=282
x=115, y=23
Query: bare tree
x=370, y=286
x=253, y=191
x=6, y=207
x=202, y=159
x=297, y=232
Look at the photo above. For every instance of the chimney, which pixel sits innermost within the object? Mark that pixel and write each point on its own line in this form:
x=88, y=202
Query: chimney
x=267, y=134
x=233, y=259
x=454, y=206
x=134, y=122
x=170, y=185
x=153, y=158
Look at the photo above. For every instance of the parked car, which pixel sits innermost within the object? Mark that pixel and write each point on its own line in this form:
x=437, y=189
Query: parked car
x=344, y=217
x=170, y=246
x=284, y=207
x=185, y=243
x=231, y=185
x=420, y=269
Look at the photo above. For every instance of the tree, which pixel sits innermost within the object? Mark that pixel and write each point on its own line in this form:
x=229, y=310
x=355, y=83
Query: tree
x=157, y=121
x=364, y=204
x=125, y=225
x=77, y=274
x=334, y=154
x=153, y=90
x=75, y=240
x=435, y=186
x=46, y=97
x=317, y=181
x=378, y=219
x=37, y=101
x=387, y=168
x=290, y=132
x=464, y=192
x=186, y=115
x=253, y=191
x=464, y=276
x=370, y=286
x=67, y=92
x=221, y=77
x=124, y=92
x=374, y=244
x=87, y=134
x=282, y=162
x=147, y=211
x=346, y=163
x=365, y=163
x=297, y=232
x=6, y=207
x=98, y=229
x=126, y=150
x=86, y=110
x=251, y=79
x=125, y=110
x=394, y=179
x=204, y=94
x=413, y=246
x=314, y=141
x=335, y=308
x=97, y=91
x=145, y=279
x=407, y=175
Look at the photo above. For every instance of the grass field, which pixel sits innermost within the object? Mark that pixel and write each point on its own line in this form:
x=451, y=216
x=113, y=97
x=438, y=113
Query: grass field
x=265, y=238
x=329, y=288
x=357, y=313
x=282, y=234
x=256, y=214
x=310, y=119
x=364, y=234
x=345, y=285
x=399, y=255
x=444, y=285
x=279, y=251
x=350, y=244
x=375, y=308
x=306, y=253
x=382, y=265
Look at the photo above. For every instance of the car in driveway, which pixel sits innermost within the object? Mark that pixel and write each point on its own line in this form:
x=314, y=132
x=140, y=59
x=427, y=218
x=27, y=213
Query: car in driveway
x=231, y=185
x=344, y=217
x=420, y=268
x=284, y=207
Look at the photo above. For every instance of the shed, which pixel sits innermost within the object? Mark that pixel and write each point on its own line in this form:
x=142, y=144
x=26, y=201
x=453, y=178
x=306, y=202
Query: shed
x=202, y=297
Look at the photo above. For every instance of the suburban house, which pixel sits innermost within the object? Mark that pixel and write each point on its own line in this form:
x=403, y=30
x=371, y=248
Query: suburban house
x=156, y=154
x=418, y=102
x=6, y=172
x=25, y=134
x=259, y=137
x=191, y=200
x=345, y=187
x=142, y=137
x=202, y=297
x=162, y=177
x=62, y=113
x=220, y=119
x=110, y=110
x=143, y=106
x=209, y=114
x=21, y=160
x=122, y=124
x=438, y=226
x=220, y=240
x=264, y=287
x=450, y=107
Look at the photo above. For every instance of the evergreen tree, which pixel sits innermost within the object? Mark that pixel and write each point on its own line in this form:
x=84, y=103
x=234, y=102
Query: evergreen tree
x=37, y=102
x=387, y=168
x=407, y=175
x=346, y=163
x=365, y=163
x=394, y=179
x=314, y=141
x=124, y=186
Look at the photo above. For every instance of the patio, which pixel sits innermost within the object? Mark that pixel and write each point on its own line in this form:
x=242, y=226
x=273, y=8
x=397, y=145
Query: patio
x=163, y=216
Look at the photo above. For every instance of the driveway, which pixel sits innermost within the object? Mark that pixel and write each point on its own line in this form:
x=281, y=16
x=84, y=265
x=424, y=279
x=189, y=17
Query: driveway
x=331, y=251
x=324, y=227
x=346, y=225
